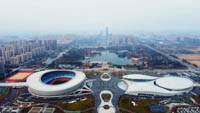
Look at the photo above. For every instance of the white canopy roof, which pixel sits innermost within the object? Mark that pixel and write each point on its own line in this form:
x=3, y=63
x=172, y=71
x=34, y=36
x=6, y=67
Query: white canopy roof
x=174, y=83
x=139, y=76
x=177, y=85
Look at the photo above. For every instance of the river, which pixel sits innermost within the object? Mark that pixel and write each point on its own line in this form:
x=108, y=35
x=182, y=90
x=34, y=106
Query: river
x=51, y=60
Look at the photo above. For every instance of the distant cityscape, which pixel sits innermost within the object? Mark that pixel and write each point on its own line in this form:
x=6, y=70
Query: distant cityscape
x=141, y=73
x=99, y=56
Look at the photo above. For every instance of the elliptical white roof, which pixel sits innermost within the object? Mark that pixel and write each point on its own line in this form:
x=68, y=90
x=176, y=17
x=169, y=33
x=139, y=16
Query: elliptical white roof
x=139, y=76
x=174, y=83
x=38, y=87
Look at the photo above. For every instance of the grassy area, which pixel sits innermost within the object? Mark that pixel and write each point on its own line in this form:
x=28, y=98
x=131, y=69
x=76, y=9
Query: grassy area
x=196, y=98
x=105, y=76
x=25, y=110
x=122, y=111
x=18, y=93
x=58, y=111
x=79, y=105
x=85, y=105
x=91, y=73
x=3, y=91
x=106, y=97
x=192, y=58
x=142, y=105
x=118, y=74
x=6, y=94
x=90, y=111
x=195, y=62
x=195, y=49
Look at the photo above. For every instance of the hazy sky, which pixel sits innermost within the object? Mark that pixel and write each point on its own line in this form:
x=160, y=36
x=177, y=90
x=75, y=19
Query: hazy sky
x=92, y=16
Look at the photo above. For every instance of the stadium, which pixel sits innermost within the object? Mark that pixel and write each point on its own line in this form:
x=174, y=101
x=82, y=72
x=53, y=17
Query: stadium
x=55, y=82
x=167, y=85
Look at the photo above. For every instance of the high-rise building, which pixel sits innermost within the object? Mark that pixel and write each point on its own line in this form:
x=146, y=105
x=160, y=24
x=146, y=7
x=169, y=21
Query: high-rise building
x=107, y=33
x=178, y=39
x=18, y=52
x=50, y=44
x=2, y=70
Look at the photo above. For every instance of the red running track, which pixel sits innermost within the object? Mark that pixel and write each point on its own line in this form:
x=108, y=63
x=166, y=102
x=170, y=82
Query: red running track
x=60, y=79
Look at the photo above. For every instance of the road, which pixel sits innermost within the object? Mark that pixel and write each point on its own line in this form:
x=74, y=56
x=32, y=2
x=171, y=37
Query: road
x=111, y=85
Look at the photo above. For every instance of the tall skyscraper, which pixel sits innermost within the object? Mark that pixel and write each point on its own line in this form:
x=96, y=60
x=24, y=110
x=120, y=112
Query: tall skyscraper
x=2, y=70
x=107, y=33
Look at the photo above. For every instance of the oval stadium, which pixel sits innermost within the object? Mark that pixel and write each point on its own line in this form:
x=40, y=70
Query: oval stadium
x=55, y=82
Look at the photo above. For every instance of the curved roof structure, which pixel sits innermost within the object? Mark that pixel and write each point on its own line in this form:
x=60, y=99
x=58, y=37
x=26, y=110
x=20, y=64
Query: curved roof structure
x=139, y=76
x=39, y=86
x=157, y=85
x=174, y=83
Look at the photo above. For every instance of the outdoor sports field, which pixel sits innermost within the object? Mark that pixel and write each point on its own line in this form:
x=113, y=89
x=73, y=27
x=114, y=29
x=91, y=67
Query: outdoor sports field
x=19, y=76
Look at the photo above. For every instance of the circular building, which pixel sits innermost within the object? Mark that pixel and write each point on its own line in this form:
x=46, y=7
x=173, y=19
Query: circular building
x=174, y=83
x=55, y=82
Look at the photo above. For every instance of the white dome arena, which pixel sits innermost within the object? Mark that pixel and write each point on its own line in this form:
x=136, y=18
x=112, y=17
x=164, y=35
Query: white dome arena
x=174, y=83
x=167, y=85
x=55, y=82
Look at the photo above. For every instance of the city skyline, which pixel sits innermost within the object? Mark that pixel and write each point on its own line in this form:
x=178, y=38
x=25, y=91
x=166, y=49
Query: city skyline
x=99, y=56
x=100, y=75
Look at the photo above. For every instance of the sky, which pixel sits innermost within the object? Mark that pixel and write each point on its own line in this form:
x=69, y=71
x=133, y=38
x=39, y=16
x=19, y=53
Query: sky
x=93, y=16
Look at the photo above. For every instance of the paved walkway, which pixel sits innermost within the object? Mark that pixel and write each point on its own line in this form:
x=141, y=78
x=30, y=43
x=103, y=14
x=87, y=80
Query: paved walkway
x=111, y=108
x=111, y=85
x=13, y=84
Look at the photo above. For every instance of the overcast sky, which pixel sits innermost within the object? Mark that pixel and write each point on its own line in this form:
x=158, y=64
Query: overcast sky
x=92, y=16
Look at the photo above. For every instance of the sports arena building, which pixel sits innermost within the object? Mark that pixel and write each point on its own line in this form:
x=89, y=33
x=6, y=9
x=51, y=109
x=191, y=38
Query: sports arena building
x=167, y=85
x=55, y=82
x=51, y=83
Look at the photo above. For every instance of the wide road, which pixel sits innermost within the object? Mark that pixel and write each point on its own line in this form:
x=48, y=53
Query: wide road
x=111, y=85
